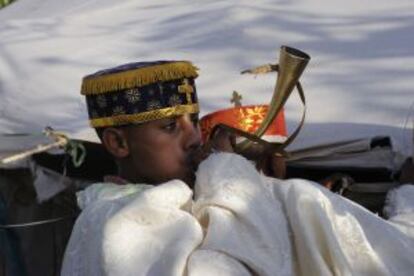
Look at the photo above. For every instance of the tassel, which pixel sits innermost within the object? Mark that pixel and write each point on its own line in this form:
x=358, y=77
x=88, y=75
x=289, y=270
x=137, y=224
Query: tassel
x=138, y=77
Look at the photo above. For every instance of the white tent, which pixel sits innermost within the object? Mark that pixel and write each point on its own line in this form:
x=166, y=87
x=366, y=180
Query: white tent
x=359, y=82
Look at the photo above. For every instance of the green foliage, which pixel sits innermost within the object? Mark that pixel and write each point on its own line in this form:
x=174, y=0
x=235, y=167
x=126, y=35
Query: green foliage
x=4, y=3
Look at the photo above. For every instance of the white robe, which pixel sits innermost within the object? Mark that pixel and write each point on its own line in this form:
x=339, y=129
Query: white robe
x=239, y=223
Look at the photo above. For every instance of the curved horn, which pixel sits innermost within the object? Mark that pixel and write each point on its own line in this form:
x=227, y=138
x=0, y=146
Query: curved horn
x=292, y=63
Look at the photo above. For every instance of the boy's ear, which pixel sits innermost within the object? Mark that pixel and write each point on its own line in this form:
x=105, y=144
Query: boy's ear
x=115, y=141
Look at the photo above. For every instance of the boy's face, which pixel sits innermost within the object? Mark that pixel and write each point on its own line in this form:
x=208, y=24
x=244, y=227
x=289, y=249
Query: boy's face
x=162, y=150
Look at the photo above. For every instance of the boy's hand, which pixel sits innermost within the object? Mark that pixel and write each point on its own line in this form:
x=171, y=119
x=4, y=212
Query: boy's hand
x=273, y=165
x=270, y=164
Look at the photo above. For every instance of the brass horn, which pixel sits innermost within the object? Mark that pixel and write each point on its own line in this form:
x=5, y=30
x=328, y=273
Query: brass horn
x=292, y=63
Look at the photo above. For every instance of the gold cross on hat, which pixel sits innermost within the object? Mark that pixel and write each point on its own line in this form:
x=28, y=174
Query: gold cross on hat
x=187, y=89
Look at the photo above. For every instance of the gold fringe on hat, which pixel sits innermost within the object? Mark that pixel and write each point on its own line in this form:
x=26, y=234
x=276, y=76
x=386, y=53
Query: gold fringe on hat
x=138, y=77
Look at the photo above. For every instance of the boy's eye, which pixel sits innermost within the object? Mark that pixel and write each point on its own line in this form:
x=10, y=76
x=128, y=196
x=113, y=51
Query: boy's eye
x=170, y=126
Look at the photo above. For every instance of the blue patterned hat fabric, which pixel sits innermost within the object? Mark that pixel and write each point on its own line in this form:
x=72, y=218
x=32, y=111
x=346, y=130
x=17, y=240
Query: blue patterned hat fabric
x=140, y=92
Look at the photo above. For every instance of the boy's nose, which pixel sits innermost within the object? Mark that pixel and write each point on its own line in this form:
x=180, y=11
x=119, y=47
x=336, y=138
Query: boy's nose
x=192, y=134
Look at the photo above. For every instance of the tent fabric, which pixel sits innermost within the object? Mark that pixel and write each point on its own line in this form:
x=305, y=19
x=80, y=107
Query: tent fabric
x=357, y=84
x=375, y=152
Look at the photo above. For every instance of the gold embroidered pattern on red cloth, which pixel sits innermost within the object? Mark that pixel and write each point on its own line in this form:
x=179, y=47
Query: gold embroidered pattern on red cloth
x=246, y=118
x=250, y=118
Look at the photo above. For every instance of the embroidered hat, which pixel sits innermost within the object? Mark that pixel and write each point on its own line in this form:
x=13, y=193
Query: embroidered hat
x=140, y=92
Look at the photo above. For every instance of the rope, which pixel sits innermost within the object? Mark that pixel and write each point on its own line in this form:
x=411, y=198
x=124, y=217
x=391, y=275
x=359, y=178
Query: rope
x=75, y=149
x=35, y=223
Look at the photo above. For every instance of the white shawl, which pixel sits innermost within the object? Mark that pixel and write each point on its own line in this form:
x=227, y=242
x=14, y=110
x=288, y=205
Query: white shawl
x=239, y=223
